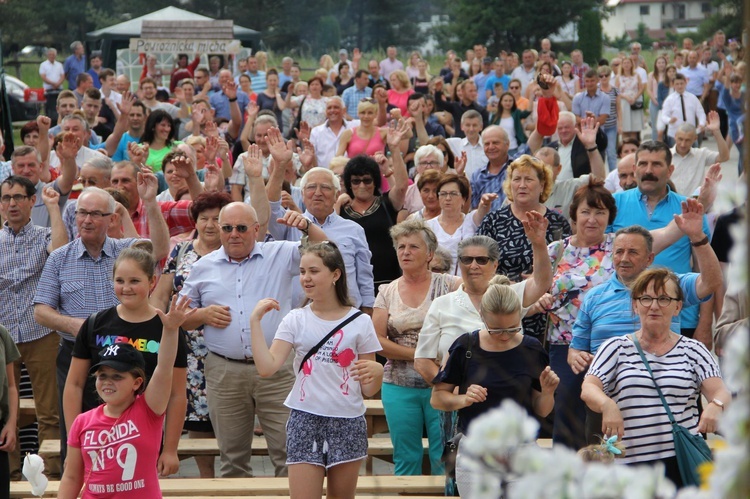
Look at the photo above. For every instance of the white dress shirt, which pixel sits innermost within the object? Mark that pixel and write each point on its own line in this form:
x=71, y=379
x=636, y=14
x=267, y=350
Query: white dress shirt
x=672, y=108
x=475, y=158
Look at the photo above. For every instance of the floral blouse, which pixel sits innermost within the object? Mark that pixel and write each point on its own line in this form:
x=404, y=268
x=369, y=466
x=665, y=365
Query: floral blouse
x=578, y=270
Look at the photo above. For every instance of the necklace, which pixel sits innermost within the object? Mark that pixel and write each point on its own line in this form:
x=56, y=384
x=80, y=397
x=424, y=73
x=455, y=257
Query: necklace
x=658, y=347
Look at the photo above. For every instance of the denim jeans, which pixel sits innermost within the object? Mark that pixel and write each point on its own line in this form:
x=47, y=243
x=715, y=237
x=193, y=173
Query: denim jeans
x=611, y=133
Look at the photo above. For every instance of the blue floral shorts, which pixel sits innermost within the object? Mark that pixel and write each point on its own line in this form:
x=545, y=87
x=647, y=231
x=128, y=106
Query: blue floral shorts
x=324, y=441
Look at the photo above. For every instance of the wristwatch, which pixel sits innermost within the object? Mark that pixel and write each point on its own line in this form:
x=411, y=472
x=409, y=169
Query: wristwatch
x=718, y=402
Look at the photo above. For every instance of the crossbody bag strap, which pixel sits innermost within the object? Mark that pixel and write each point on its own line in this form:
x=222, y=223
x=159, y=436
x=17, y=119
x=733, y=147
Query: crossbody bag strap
x=322, y=342
x=466, y=374
x=648, y=368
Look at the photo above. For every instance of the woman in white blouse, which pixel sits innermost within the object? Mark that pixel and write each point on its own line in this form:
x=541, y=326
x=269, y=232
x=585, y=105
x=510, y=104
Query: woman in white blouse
x=452, y=225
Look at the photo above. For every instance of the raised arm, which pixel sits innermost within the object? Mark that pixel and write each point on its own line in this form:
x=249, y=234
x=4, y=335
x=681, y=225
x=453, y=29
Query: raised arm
x=43, y=145
x=712, y=125
x=587, y=136
x=51, y=199
x=67, y=151
x=267, y=360
x=400, y=175
x=535, y=228
x=159, y=232
x=253, y=163
x=122, y=124
x=235, y=113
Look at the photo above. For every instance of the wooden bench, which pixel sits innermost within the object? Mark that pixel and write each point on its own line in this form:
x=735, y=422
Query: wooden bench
x=26, y=412
x=186, y=448
x=267, y=486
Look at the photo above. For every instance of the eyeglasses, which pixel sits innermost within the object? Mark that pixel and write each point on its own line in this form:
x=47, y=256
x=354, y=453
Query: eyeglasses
x=430, y=164
x=368, y=99
x=363, y=180
x=86, y=181
x=448, y=194
x=15, y=197
x=242, y=228
x=468, y=260
x=315, y=187
x=514, y=88
x=508, y=330
x=603, y=76
x=663, y=300
x=95, y=215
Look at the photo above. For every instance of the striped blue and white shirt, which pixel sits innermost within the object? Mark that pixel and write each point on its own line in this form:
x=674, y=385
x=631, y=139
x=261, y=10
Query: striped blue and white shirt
x=679, y=373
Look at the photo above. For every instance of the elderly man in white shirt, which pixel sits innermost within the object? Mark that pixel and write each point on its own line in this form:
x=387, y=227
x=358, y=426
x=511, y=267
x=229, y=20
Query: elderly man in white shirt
x=325, y=137
x=690, y=163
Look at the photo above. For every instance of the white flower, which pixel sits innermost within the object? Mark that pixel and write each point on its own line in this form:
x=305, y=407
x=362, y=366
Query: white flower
x=736, y=280
x=650, y=483
x=500, y=430
x=730, y=478
x=693, y=493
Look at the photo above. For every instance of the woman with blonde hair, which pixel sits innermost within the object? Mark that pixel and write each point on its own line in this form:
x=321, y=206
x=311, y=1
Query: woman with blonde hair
x=412, y=70
x=630, y=90
x=367, y=138
x=400, y=91
x=262, y=58
x=528, y=184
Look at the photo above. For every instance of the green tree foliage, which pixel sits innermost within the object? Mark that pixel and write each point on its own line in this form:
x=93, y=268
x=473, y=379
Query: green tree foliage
x=590, y=35
x=508, y=24
x=728, y=18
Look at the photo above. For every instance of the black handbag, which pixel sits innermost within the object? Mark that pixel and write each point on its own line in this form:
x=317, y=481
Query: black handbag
x=450, y=450
x=637, y=105
x=690, y=450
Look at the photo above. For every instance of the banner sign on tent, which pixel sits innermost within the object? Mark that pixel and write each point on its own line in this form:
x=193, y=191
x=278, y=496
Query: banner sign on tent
x=172, y=46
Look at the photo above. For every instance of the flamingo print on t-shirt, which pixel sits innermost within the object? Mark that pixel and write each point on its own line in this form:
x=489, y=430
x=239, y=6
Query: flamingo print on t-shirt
x=324, y=385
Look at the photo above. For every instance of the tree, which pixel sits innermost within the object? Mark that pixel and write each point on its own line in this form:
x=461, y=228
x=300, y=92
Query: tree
x=728, y=18
x=590, y=35
x=505, y=24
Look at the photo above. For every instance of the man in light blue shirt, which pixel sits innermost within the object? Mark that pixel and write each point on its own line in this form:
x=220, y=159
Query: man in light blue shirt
x=591, y=99
x=653, y=205
x=320, y=189
x=225, y=286
x=257, y=78
x=221, y=103
x=607, y=310
x=354, y=94
x=699, y=80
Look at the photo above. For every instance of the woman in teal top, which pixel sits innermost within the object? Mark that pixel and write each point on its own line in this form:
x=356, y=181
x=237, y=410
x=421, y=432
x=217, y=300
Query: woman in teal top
x=159, y=133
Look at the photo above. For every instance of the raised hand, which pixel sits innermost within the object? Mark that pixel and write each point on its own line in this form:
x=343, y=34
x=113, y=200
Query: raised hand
x=263, y=307
x=213, y=180
x=252, y=110
x=223, y=148
x=709, y=188
x=179, y=94
x=587, y=133
x=276, y=145
x=535, y=227
x=307, y=155
x=396, y=134
x=549, y=380
x=44, y=123
x=138, y=153
x=487, y=199
x=212, y=145
x=69, y=147
x=230, y=90
x=183, y=166
x=295, y=219
x=50, y=197
x=460, y=163
x=712, y=121
x=253, y=161
x=148, y=186
x=690, y=221
x=303, y=132
x=210, y=128
x=179, y=311
x=127, y=103
x=383, y=163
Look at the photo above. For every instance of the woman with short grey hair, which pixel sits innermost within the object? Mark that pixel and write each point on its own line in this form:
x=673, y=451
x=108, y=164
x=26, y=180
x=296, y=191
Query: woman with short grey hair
x=398, y=315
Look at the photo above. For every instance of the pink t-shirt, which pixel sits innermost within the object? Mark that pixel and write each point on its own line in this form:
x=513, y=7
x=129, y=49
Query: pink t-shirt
x=400, y=100
x=119, y=454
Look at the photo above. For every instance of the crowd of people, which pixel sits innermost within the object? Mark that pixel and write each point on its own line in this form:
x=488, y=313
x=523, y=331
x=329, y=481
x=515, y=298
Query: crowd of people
x=500, y=228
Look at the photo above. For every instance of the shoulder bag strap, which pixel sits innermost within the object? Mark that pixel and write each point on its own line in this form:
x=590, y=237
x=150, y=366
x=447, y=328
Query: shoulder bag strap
x=90, y=327
x=322, y=342
x=648, y=368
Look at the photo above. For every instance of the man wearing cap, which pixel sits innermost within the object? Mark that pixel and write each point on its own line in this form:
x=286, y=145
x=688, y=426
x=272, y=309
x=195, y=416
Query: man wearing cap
x=224, y=286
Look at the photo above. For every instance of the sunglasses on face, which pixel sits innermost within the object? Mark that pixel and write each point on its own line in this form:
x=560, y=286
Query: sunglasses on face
x=468, y=260
x=240, y=228
x=365, y=180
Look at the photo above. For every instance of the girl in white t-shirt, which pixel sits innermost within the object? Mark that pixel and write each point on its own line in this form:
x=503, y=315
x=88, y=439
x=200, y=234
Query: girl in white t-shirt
x=326, y=432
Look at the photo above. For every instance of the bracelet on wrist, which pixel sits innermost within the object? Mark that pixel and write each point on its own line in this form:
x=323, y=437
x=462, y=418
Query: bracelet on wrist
x=233, y=100
x=702, y=242
x=592, y=149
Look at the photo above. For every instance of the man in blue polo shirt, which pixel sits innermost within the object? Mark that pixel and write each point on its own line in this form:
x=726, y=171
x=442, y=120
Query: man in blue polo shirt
x=591, y=99
x=653, y=205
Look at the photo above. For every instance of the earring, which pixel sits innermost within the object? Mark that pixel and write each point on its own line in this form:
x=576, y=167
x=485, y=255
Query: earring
x=333, y=283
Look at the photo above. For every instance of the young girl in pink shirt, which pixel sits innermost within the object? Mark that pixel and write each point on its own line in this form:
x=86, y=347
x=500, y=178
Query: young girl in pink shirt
x=113, y=449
